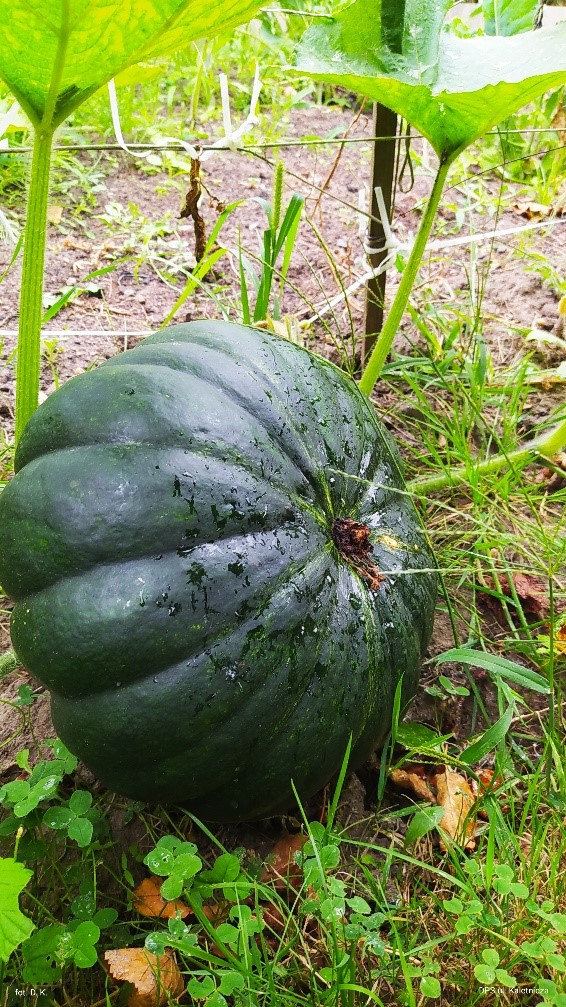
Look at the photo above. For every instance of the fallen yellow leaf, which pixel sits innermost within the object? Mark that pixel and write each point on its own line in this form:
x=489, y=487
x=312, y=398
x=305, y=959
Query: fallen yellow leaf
x=453, y=793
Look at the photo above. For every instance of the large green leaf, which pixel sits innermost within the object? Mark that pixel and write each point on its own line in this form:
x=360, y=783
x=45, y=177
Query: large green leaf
x=55, y=53
x=509, y=17
x=14, y=926
x=452, y=89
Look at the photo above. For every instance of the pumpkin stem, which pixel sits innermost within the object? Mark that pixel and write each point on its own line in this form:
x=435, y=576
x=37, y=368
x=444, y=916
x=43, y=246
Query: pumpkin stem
x=351, y=538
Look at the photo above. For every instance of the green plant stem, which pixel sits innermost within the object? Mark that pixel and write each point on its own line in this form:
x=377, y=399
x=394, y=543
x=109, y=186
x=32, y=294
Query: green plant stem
x=545, y=446
x=385, y=339
x=31, y=298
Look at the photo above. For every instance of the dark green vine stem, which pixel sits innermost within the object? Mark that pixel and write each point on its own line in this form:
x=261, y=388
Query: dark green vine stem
x=31, y=299
x=545, y=446
x=385, y=339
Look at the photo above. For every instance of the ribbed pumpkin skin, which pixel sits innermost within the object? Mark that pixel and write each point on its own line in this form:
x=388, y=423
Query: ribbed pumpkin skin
x=168, y=543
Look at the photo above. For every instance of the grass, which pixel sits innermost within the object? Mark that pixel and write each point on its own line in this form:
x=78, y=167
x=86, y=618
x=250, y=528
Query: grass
x=367, y=908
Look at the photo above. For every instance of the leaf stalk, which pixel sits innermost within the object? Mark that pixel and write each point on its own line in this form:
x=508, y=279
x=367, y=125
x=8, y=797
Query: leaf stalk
x=31, y=297
x=385, y=339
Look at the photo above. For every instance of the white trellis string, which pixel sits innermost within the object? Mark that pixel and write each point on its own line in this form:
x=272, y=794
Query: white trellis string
x=390, y=241
x=230, y=141
x=433, y=246
x=10, y=118
x=231, y=136
x=391, y=244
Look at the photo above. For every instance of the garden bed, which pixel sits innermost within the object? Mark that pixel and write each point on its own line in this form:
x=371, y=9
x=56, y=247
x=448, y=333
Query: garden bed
x=484, y=537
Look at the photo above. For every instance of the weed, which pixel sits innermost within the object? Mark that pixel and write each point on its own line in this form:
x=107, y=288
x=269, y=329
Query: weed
x=279, y=237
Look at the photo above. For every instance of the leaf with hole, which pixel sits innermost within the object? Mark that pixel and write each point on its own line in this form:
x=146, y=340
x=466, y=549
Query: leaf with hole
x=40, y=954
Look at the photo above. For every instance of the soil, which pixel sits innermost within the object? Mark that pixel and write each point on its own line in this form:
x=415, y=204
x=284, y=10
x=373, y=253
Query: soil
x=136, y=294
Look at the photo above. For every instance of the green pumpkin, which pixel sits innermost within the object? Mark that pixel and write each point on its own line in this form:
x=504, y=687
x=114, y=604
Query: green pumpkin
x=216, y=570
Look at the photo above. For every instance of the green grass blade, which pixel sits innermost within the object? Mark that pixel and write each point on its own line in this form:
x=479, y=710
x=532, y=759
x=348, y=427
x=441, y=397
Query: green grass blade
x=244, y=298
x=289, y=221
x=489, y=740
x=268, y=263
x=193, y=281
x=498, y=666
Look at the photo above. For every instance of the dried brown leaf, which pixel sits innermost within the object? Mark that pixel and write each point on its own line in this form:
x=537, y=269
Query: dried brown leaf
x=533, y=595
x=530, y=590
x=488, y=780
x=154, y=979
x=280, y=868
x=486, y=783
x=453, y=793
x=54, y=214
x=413, y=782
x=532, y=210
x=147, y=900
